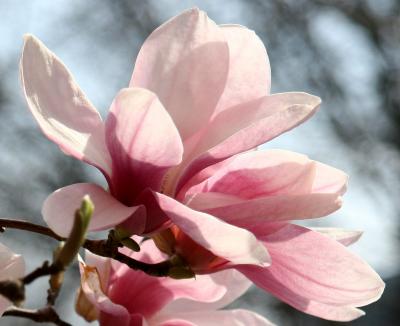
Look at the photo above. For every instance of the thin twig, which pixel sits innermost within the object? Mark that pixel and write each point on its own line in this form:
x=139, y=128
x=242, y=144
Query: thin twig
x=28, y=226
x=55, y=282
x=44, y=270
x=102, y=248
x=43, y=315
x=98, y=247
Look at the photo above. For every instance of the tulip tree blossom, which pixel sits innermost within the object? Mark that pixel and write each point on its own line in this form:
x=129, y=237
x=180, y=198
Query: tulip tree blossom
x=117, y=295
x=177, y=151
x=12, y=266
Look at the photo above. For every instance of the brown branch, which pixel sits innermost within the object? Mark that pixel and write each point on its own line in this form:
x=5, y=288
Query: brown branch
x=104, y=248
x=43, y=315
x=28, y=226
x=44, y=270
x=55, y=282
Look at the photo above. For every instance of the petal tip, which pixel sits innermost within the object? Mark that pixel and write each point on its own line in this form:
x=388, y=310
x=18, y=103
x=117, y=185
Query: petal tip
x=28, y=37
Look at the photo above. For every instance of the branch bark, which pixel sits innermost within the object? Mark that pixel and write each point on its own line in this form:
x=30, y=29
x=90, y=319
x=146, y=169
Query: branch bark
x=28, y=226
x=43, y=315
x=104, y=249
x=44, y=270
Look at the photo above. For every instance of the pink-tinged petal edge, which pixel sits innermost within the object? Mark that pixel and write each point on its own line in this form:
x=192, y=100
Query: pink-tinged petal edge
x=326, y=280
x=172, y=62
x=143, y=141
x=59, y=209
x=236, y=245
x=11, y=265
x=60, y=107
x=249, y=75
x=343, y=236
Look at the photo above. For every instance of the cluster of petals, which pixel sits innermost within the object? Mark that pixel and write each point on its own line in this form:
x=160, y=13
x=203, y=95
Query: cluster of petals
x=114, y=294
x=12, y=267
x=177, y=151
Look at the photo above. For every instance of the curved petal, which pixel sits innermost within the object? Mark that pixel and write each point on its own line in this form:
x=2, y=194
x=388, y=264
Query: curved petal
x=261, y=173
x=273, y=185
x=185, y=62
x=249, y=75
x=235, y=283
x=237, y=317
x=248, y=125
x=320, y=277
x=143, y=141
x=59, y=209
x=266, y=209
x=345, y=237
x=59, y=106
x=146, y=295
x=329, y=180
x=333, y=312
x=224, y=240
x=103, y=266
x=12, y=266
x=269, y=172
x=93, y=290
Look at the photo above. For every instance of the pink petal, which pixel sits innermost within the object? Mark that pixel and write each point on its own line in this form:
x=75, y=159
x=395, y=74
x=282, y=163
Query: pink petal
x=249, y=75
x=333, y=312
x=93, y=290
x=59, y=209
x=279, y=186
x=103, y=266
x=235, y=285
x=59, y=106
x=143, y=141
x=224, y=240
x=237, y=317
x=111, y=320
x=266, y=209
x=345, y=237
x=248, y=125
x=185, y=62
x=329, y=180
x=325, y=280
x=261, y=173
x=12, y=266
x=174, y=322
x=202, y=289
x=147, y=295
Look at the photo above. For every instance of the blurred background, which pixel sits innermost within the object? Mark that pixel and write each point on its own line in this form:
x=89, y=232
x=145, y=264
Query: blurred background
x=346, y=52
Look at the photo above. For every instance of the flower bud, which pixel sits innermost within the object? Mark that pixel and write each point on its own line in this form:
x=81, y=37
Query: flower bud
x=78, y=233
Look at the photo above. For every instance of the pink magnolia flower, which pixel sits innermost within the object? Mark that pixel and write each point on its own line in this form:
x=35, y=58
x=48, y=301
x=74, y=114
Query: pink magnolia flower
x=12, y=266
x=176, y=150
x=182, y=113
x=117, y=295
